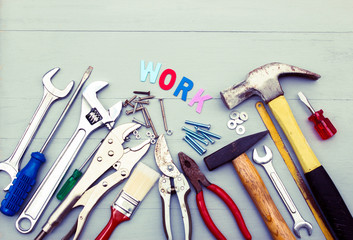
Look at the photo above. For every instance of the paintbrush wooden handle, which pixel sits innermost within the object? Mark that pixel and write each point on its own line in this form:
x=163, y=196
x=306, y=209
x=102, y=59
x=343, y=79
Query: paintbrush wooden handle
x=262, y=199
x=115, y=219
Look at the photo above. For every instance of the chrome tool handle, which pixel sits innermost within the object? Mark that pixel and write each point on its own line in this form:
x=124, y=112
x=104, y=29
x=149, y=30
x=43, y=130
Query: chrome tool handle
x=49, y=184
x=183, y=189
x=277, y=182
x=165, y=192
x=11, y=165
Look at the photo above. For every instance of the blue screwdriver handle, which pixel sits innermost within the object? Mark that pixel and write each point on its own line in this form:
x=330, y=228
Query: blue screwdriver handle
x=22, y=185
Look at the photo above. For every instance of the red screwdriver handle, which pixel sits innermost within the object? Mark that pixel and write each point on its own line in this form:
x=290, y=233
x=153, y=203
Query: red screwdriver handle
x=115, y=219
x=322, y=125
x=232, y=207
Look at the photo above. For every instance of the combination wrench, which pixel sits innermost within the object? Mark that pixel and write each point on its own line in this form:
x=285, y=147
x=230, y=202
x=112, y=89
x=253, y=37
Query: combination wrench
x=93, y=116
x=50, y=94
x=266, y=163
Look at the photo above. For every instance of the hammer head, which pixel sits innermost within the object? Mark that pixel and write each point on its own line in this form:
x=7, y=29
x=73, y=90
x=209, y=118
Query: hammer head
x=263, y=81
x=232, y=150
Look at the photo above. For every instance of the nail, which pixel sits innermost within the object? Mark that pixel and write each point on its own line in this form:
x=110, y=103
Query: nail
x=144, y=98
x=138, y=121
x=128, y=102
x=163, y=115
x=142, y=102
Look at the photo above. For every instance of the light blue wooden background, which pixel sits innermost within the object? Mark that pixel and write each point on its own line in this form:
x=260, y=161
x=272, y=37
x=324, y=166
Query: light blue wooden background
x=213, y=43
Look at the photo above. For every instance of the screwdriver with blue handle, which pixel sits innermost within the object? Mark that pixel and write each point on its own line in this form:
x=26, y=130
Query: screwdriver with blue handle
x=26, y=178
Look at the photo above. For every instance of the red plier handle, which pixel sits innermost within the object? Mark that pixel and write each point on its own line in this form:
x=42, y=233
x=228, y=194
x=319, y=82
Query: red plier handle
x=115, y=219
x=232, y=207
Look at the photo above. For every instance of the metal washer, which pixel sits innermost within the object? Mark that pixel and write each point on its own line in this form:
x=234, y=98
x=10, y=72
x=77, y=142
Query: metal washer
x=234, y=115
x=240, y=129
x=232, y=124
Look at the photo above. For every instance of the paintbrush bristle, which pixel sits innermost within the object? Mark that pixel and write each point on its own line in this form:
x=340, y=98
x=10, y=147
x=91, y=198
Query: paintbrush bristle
x=141, y=181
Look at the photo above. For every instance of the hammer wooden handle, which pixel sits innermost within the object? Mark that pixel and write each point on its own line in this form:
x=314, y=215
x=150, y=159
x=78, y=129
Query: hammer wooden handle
x=262, y=199
x=323, y=188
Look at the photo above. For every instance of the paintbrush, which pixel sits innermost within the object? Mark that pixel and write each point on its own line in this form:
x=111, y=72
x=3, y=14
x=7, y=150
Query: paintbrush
x=138, y=185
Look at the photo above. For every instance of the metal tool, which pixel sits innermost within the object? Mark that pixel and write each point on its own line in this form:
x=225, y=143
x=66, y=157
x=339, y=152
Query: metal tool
x=168, y=131
x=26, y=178
x=308, y=197
x=263, y=81
x=93, y=116
x=322, y=125
x=50, y=94
x=197, y=179
x=235, y=152
x=110, y=155
x=172, y=181
x=76, y=175
x=266, y=163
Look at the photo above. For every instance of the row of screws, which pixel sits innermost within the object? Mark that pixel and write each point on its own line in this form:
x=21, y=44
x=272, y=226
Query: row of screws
x=200, y=135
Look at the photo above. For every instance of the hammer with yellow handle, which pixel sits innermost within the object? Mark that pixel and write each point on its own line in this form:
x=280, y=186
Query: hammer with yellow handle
x=263, y=81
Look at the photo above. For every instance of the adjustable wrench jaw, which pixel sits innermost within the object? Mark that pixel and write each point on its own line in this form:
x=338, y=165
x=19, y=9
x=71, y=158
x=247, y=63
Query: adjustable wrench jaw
x=93, y=114
x=93, y=111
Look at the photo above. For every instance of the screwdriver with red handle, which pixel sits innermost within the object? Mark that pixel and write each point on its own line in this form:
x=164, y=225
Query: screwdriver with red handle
x=322, y=125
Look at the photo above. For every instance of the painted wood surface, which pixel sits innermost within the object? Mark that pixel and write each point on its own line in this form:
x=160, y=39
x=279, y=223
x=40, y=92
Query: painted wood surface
x=214, y=44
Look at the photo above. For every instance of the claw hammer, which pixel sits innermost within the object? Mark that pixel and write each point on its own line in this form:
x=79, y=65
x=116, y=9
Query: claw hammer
x=263, y=81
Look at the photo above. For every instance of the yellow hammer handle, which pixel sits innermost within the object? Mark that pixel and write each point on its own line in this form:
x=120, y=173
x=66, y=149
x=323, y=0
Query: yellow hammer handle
x=284, y=116
x=293, y=170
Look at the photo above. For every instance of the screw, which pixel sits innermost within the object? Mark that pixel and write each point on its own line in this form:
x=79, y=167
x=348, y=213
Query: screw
x=128, y=102
x=208, y=126
x=142, y=102
x=142, y=92
x=211, y=134
x=196, y=144
x=144, y=98
x=163, y=114
x=138, y=121
x=192, y=145
x=192, y=132
x=208, y=138
x=150, y=121
x=197, y=138
x=132, y=110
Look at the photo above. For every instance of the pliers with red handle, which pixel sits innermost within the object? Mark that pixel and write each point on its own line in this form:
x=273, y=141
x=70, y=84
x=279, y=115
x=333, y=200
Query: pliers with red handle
x=196, y=177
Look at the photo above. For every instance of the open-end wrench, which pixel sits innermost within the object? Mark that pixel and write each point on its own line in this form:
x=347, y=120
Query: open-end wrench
x=50, y=94
x=93, y=116
x=266, y=163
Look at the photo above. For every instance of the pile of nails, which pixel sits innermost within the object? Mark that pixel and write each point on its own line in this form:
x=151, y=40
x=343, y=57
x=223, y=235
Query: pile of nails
x=236, y=119
x=200, y=135
x=137, y=104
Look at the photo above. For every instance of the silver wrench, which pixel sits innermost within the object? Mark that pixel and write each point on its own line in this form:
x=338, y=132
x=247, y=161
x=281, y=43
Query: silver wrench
x=266, y=163
x=50, y=94
x=93, y=116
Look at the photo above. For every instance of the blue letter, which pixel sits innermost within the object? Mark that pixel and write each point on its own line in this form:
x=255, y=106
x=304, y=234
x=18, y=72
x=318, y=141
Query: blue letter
x=183, y=88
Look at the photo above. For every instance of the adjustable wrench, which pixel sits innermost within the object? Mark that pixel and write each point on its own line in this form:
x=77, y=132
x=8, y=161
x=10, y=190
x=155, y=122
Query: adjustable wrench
x=50, y=94
x=266, y=163
x=93, y=116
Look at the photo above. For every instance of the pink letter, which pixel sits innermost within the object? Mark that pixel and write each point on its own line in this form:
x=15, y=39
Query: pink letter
x=198, y=99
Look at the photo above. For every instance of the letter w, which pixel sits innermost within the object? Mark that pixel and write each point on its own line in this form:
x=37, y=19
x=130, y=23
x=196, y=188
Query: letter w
x=149, y=70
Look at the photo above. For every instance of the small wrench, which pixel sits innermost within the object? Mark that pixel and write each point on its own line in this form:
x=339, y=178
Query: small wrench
x=50, y=94
x=266, y=163
x=93, y=116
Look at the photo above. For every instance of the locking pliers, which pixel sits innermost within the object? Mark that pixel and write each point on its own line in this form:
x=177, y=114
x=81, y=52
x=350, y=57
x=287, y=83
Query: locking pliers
x=111, y=154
